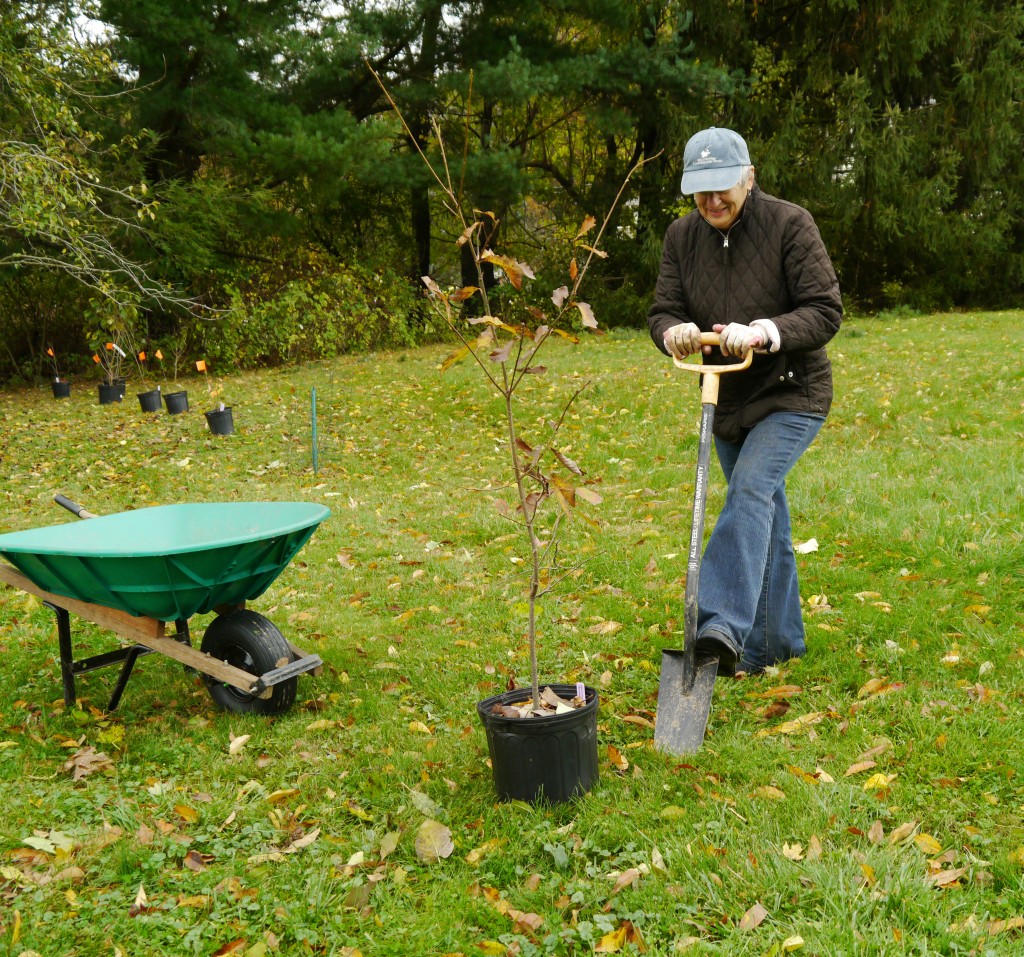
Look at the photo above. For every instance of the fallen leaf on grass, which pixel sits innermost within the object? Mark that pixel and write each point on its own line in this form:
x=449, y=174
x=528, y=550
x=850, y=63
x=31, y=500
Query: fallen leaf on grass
x=616, y=759
x=770, y=792
x=753, y=917
x=781, y=691
x=902, y=832
x=879, y=782
x=238, y=743
x=1003, y=926
x=928, y=844
x=795, y=726
x=858, y=767
x=522, y=921
x=292, y=848
x=476, y=855
x=802, y=774
x=625, y=933
x=948, y=878
x=638, y=720
x=877, y=686
x=792, y=852
x=87, y=761
x=433, y=842
x=792, y=943
x=628, y=878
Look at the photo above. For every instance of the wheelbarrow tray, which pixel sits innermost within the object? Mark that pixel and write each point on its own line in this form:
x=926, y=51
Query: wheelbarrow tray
x=168, y=562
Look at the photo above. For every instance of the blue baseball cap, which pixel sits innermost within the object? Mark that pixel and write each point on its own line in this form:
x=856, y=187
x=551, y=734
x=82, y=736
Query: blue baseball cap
x=712, y=161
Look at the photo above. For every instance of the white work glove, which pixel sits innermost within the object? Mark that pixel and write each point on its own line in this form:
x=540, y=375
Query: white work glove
x=738, y=339
x=682, y=340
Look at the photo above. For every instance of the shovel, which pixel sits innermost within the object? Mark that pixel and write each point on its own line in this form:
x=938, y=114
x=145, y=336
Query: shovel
x=684, y=691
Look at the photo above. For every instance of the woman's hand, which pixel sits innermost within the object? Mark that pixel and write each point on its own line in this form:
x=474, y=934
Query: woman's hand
x=737, y=339
x=682, y=340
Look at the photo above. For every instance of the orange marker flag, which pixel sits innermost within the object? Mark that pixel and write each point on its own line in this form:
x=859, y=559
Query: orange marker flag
x=201, y=365
x=96, y=357
x=159, y=354
x=142, y=356
x=49, y=351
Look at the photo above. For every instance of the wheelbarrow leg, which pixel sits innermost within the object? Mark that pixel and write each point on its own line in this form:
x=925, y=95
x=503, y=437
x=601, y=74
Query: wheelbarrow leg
x=131, y=656
x=67, y=661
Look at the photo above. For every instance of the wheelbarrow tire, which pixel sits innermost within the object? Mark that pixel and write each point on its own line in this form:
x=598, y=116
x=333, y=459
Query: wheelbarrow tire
x=253, y=643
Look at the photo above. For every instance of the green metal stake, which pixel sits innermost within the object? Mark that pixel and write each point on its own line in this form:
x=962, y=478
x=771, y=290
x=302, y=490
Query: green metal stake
x=316, y=462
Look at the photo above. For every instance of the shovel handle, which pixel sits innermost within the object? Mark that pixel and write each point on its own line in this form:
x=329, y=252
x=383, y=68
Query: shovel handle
x=714, y=339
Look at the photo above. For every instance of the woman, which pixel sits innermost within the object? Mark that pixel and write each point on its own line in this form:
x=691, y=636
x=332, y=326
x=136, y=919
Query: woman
x=752, y=268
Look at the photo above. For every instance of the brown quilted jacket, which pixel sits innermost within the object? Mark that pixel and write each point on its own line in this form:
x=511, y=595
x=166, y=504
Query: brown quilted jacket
x=773, y=265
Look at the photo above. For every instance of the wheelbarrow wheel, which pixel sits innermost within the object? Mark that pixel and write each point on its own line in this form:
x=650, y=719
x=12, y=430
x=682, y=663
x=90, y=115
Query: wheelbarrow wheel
x=253, y=643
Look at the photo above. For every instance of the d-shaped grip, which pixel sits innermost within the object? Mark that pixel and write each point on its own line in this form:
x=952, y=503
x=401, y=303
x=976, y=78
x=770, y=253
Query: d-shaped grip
x=713, y=339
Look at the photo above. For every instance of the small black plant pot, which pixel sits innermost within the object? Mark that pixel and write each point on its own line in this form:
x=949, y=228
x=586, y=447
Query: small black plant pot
x=61, y=388
x=176, y=402
x=551, y=759
x=220, y=421
x=110, y=392
x=150, y=401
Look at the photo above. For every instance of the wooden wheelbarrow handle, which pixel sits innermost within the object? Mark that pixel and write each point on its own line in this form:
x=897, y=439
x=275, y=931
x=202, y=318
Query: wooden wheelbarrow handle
x=73, y=507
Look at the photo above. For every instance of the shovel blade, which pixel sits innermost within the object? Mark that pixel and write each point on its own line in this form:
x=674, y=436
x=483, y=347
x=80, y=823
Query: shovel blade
x=684, y=703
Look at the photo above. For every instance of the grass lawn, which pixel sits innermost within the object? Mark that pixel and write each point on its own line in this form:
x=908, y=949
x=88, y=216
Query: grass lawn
x=867, y=799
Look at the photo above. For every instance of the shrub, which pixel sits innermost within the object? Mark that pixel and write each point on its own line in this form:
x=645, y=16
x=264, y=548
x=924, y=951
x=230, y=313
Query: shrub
x=343, y=309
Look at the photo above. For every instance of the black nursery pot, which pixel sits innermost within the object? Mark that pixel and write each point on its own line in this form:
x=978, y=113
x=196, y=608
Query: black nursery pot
x=551, y=759
x=110, y=392
x=176, y=402
x=220, y=421
x=150, y=401
x=61, y=388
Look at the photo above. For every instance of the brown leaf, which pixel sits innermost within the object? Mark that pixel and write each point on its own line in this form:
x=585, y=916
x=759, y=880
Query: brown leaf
x=775, y=710
x=197, y=862
x=231, y=947
x=876, y=833
x=589, y=222
x=616, y=759
x=567, y=462
x=949, y=878
x=753, y=917
x=859, y=767
x=87, y=761
x=574, y=269
x=587, y=315
x=511, y=268
x=628, y=878
x=466, y=292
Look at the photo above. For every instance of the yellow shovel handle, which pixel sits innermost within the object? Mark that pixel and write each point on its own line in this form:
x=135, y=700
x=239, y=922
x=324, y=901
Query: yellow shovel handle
x=713, y=339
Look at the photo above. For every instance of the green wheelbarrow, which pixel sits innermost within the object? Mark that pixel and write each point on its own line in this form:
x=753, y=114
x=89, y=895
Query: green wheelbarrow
x=133, y=572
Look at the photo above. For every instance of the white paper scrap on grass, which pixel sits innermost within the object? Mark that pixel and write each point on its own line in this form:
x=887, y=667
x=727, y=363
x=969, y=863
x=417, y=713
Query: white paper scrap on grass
x=805, y=548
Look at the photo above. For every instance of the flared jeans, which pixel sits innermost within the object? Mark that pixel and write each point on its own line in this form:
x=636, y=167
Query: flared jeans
x=748, y=588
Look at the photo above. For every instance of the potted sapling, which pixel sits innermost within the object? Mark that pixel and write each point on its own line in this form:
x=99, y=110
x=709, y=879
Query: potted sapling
x=149, y=398
x=60, y=385
x=177, y=400
x=542, y=739
x=111, y=324
x=219, y=418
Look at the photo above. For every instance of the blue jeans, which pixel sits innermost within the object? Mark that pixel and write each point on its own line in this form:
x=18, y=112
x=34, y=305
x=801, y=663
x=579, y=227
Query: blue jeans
x=748, y=588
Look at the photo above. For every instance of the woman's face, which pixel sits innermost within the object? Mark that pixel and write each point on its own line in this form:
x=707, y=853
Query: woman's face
x=723, y=209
